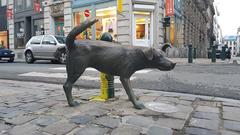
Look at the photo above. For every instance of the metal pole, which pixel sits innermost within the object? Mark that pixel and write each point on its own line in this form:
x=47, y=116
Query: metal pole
x=213, y=53
x=190, y=53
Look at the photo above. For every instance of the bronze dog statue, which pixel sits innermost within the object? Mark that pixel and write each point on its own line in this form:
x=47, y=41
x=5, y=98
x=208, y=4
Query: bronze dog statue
x=109, y=58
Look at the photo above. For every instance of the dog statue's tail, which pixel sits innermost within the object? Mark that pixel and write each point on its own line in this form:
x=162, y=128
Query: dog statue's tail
x=77, y=30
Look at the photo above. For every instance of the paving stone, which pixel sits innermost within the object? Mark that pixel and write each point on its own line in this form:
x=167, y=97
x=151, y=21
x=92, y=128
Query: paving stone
x=225, y=132
x=140, y=121
x=185, y=102
x=171, y=123
x=200, y=131
x=231, y=113
x=12, y=113
x=126, y=130
x=206, y=115
x=45, y=120
x=232, y=125
x=25, y=129
x=156, y=130
x=97, y=112
x=19, y=120
x=231, y=104
x=179, y=115
x=32, y=107
x=81, y=119
x=4, y=127
x=203, y=123
x=91, y=130
x=235, y=116
x=231, y=109
x=189, y=98
x=183, y=108
x=207, y=109
x=59, y=128
x=107, y=122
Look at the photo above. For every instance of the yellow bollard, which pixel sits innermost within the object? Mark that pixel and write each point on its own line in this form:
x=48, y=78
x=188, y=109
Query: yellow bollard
x=104, y=89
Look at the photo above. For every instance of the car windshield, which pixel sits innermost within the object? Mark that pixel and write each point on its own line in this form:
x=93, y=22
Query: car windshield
x=61, y=39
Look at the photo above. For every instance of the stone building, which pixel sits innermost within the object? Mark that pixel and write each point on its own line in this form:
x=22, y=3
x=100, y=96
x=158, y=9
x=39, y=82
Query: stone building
x=198, y=24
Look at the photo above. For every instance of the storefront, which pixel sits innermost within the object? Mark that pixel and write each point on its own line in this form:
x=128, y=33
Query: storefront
x=105, y=12
x=139, y=24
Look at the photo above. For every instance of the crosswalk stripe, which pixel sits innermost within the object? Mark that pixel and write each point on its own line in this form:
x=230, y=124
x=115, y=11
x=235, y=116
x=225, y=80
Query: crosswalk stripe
x=92, y=69
x=64, y=75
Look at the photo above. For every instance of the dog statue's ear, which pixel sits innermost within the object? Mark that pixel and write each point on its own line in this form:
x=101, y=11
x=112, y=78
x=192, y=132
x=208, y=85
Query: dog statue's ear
x=148, y=53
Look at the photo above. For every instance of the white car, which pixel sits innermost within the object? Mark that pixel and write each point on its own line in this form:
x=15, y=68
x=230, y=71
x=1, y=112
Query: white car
x=44, y=47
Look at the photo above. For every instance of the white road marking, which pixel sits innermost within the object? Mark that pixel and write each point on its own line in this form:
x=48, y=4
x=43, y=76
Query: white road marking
x=92, y=69
x=64, y=75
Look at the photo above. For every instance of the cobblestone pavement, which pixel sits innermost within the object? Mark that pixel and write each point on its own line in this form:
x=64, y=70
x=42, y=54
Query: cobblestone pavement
x=28, y=108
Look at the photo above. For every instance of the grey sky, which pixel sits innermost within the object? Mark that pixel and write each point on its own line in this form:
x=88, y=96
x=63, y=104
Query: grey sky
x=229, y=19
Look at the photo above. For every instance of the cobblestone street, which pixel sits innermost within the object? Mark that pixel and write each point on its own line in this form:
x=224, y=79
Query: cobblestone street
x=28, y=108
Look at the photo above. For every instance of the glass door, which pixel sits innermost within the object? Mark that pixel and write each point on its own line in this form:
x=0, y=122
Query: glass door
x=142, y=29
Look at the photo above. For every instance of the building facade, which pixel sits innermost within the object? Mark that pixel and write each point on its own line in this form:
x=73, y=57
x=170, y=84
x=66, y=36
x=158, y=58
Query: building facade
x=198, y=25
x=238, y=42
x=57, y=17
x=139, y=23
x=3, y=24
x=27, y=21
x=231, y=42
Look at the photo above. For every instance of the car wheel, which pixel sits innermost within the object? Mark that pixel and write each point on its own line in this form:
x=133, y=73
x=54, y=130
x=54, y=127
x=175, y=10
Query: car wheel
x=29, y=57
x=62, y=58
x=11, y=59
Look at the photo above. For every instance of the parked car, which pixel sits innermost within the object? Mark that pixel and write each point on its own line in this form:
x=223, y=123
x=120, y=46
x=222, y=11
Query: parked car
x=44, y=47
x=218, y=53
x=6, y=54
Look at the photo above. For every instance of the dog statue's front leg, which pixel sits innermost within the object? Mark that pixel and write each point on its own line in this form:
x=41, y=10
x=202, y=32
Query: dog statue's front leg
x=68, y=92
x=127, y=86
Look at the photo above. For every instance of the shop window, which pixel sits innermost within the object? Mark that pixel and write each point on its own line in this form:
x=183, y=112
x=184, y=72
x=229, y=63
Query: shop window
x=19, y=36
x=106, y=23
x=142, y=29
x=79, y=17
x=38, y=27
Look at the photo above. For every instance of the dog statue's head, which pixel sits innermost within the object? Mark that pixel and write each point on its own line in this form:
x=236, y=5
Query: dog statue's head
x=157, y=60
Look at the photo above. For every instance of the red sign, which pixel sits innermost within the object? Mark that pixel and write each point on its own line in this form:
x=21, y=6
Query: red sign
x=87, y=13
x=37, y=7
x=169, y=7
x=9, y=13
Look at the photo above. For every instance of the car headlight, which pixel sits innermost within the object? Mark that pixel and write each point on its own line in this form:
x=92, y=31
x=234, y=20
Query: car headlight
x=12, y=53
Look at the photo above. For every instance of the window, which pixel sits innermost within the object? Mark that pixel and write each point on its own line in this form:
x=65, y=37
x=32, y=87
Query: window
x=49, y=40
x=19, y=4
x=36, y=40
x=29, y=4
x=142, y=29
x=38, y=27
x=3, y=2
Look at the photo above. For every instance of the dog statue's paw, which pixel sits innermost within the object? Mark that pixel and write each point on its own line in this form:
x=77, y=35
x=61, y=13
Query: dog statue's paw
x=139, y=105
x=73, y=104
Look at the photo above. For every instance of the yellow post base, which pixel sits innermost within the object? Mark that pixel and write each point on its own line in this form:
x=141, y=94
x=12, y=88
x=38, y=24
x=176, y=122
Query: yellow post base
x=104, y=87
